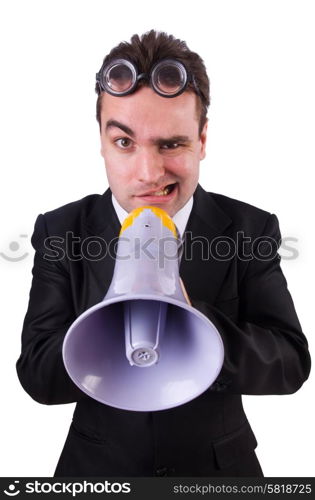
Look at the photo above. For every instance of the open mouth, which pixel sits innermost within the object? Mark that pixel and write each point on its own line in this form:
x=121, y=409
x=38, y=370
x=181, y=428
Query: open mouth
x=163, y=192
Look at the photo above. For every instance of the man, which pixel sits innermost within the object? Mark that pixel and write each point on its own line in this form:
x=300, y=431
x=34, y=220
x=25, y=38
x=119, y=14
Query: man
x=153, y=95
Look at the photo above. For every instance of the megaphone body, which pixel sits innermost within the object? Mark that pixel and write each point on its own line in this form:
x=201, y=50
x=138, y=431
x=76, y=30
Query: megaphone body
x=144, y=347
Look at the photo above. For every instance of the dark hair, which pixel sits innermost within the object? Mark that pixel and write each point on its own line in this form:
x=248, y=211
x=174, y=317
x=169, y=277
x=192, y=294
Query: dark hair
x=153, y=46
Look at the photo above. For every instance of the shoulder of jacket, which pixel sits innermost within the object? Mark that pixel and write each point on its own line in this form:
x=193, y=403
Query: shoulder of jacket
x=73, y=208
x=68, y=217
x=230, y=204
x=239, y=210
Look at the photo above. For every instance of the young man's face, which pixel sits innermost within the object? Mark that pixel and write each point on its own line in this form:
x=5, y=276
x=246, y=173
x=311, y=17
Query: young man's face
x=152, y=148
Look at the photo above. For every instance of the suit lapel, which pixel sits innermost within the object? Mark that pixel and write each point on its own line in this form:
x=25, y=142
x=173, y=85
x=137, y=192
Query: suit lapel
x=201, y=272
x=102, y=225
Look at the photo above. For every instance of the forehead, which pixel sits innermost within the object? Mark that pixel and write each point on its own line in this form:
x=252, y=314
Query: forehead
x=145, y=109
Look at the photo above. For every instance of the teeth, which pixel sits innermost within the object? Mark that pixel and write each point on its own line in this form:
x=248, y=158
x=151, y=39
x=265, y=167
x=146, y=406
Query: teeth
x=163, y=192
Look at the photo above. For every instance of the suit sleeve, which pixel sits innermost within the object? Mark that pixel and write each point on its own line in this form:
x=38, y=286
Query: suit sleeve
x=50, y=312
x=265, y=349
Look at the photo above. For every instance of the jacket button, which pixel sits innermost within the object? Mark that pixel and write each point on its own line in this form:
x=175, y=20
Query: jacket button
x=161, y=471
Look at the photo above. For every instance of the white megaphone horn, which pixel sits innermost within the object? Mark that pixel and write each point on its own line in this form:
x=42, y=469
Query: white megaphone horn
x=144, y=347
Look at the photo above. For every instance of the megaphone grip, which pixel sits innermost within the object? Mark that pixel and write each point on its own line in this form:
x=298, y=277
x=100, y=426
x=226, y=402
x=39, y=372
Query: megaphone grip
x=144, y=325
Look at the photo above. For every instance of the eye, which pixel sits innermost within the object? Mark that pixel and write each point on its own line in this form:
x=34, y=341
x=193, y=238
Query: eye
x=123, y=142
x=170, y=145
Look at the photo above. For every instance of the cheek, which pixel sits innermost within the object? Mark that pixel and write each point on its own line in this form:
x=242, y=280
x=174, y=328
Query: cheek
x=117, y=174
x=185, y=167
x=113, y=171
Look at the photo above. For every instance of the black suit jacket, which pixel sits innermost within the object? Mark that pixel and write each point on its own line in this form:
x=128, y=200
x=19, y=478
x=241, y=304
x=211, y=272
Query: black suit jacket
x=246, y=298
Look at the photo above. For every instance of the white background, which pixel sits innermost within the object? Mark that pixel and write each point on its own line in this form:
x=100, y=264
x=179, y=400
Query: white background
x=260, y=58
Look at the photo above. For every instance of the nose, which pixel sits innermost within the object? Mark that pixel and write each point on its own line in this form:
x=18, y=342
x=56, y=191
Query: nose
x=149, y=166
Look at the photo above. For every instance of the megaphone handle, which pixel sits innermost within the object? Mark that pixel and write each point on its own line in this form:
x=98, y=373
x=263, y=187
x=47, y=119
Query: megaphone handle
x=144, y=325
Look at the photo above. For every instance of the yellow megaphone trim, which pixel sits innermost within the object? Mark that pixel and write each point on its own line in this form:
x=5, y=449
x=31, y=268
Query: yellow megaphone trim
x=165, y=218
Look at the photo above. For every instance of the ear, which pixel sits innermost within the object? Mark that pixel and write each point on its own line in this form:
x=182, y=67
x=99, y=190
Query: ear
x=203, y=141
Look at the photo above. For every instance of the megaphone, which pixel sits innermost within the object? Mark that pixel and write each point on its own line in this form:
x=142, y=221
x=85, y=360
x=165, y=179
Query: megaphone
x=144, y=347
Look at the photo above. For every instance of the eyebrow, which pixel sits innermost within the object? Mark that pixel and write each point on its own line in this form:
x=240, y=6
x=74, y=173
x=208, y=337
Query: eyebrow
x=159, y=141
x=116, y=124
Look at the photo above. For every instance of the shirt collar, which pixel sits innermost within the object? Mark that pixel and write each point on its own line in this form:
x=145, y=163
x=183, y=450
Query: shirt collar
x=180, y=219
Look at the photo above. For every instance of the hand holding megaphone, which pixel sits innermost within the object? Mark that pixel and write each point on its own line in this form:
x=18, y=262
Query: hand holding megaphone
x=184, y=291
